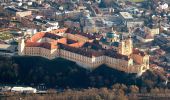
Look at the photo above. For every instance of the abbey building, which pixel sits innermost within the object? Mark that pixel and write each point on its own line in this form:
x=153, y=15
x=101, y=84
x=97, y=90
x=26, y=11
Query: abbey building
x=87, y=50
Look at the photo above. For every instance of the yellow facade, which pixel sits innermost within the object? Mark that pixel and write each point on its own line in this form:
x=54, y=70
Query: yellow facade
x=125, y=47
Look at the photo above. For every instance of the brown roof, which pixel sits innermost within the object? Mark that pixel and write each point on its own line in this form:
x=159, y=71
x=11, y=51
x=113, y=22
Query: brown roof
x=138, y=52
x=59, y=30
x=89, y=36
x=52, y=36
x=2, y=42
x=82, y=51
x=115, y=54
x=90, y=53
x=93, y=45
x=43, y=45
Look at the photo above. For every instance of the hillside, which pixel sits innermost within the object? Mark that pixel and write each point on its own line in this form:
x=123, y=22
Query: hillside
x=61, y=73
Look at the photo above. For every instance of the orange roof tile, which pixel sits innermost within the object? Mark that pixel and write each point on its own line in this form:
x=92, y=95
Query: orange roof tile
x=32, y=42
x=78, y=44
x=62, y=40
x=36, y=37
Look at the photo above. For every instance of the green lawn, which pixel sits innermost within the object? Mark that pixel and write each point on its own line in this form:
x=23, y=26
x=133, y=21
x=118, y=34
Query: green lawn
x=5, y=35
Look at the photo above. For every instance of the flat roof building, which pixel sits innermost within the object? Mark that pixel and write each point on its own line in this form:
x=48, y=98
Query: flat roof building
x=126, y=15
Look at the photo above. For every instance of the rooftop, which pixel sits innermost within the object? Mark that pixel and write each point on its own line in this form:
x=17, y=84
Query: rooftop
x=115, y=54
x=82, y=51
x=126, y=15
x=52, y=44
x=89, y=49
x=138, y=52
x=88, y=35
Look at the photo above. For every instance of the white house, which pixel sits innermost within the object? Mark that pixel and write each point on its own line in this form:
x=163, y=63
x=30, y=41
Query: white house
x=24, y=89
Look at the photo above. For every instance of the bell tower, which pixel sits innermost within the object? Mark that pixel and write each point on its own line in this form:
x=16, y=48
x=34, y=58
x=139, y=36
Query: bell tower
x=126, y=46
x=21, y=47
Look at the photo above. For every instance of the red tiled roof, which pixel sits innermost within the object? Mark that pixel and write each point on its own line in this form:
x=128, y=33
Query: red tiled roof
x=62, y=40
x=32, y=42
x=36, y=37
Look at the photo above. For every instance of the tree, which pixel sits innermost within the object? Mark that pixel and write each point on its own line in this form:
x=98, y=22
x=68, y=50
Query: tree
x=155, y=90
x=143, y=90
x=119, y=86
x=133, y=89
x=120, y=95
